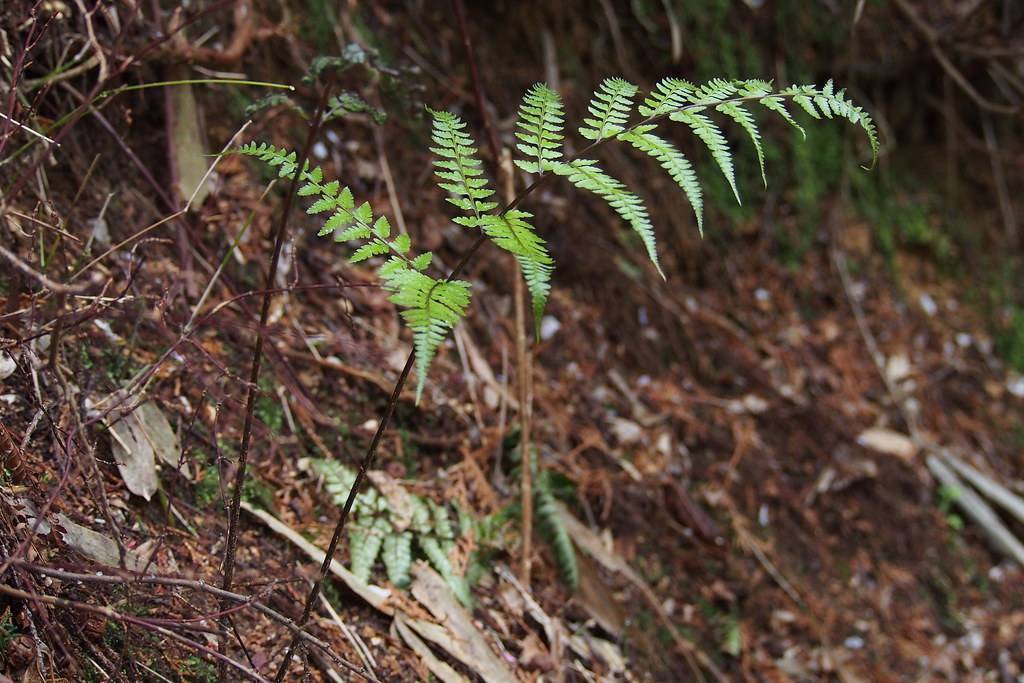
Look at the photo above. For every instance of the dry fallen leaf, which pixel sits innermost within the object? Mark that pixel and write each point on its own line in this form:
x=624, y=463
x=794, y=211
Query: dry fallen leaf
x=102, y=549
x=138, y=440
x=459, y=636
x=888, y=442
x=7, y=365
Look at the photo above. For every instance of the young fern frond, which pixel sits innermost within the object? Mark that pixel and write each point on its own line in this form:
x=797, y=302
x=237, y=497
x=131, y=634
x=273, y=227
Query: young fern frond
x=459, y=169
x=540, y=129
x=610, y=109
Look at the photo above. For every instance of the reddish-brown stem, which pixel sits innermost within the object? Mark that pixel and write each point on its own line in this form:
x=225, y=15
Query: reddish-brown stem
x=257, y=357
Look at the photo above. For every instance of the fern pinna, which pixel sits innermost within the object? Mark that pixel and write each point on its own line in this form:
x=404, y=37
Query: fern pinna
x=432, y=306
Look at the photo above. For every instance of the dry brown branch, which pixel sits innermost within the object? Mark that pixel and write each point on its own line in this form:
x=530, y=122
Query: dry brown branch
x=133, y=579
x=39, y=277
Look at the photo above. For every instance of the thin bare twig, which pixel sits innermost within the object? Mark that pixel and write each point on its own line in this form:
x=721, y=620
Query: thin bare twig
x=128, y=619
x=39, y=277
x=154, y=580
x=931, y=36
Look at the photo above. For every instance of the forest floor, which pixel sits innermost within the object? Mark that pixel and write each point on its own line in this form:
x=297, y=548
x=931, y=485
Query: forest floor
x=744, y=449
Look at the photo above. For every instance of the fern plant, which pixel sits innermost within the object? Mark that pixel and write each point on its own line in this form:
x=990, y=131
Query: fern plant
x=431, y=306
x=552, y=529
x=384, y=530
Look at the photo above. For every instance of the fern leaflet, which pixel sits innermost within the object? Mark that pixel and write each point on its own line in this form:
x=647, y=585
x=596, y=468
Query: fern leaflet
x=673, y=161
x=514, y=234
x=708, y=133
x=459, y=169
x=540, y=129
x=741, y=116
x=585, y=174
x=397, y=557
x=668, y=95
x=553, y=530
x=610, y=108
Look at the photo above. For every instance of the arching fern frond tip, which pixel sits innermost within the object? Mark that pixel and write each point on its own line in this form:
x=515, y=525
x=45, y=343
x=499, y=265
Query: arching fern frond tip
x=672, y=160
x=586, y=175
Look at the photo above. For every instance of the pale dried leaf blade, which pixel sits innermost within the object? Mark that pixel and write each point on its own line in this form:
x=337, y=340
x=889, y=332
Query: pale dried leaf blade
x=134, y=456
x=888, y=442
x=440, y=669
x=100, y=548
x=463, y=640
x=158, y=432
x=978, y=511
x=377, y=597
x=7, y=365
x=188, y=154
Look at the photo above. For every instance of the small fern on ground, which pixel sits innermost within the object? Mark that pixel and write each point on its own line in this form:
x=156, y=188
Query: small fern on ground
x=553, y=530
x=432, y=306
x=385, y=527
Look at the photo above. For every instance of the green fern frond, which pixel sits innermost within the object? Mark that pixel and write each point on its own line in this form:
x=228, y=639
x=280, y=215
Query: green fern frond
x=374, y=532
x=272, y=156
x=668, y=95
x=514, y=234
x=673, y=161
x=540, y=129
x=708, y=133
x=586, y=175
x=549, y=523
x=832, y=103
x=459, y=169
x=397, y=557
x=432, y=307
x=609, y=109
x=745, y=119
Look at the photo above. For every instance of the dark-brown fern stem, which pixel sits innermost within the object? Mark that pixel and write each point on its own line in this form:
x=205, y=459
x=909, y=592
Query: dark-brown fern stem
x=257, y=358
